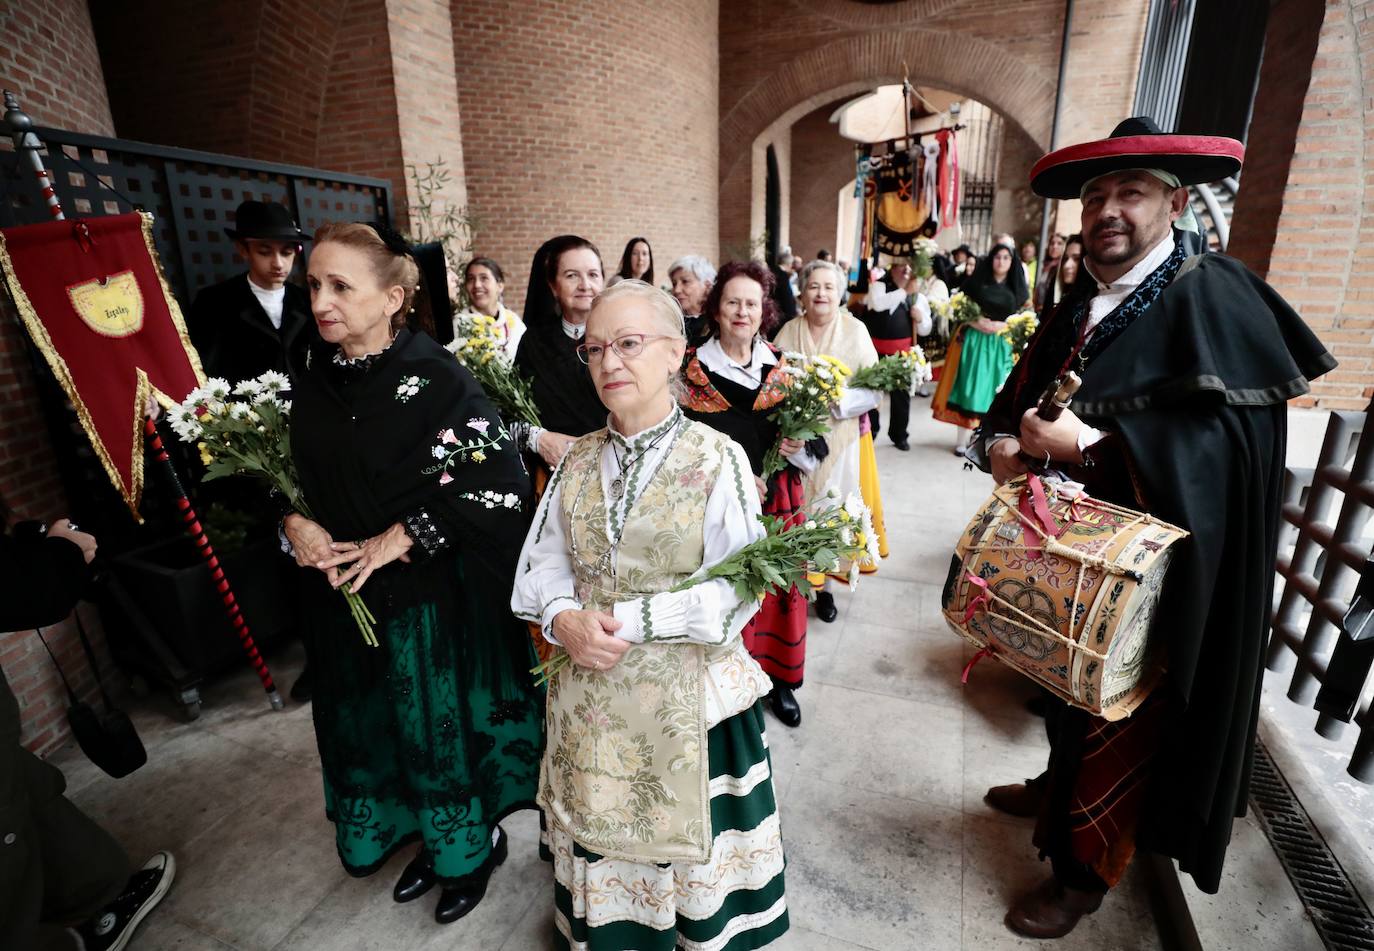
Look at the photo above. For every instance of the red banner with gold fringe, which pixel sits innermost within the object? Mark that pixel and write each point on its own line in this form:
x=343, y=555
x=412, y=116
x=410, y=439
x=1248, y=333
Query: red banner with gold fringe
x=92, y=295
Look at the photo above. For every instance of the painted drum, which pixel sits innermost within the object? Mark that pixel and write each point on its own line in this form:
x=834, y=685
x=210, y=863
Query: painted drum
x=1063, y=588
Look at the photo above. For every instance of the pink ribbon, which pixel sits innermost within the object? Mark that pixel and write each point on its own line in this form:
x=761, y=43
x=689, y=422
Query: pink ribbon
x=979, y=600
x=968, y=668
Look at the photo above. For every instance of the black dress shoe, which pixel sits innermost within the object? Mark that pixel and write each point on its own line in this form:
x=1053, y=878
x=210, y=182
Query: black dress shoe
x=416, y=879
x=785, y=706
x=454, y=903
x=300, y=690
x=825, y=607
x=902, y=445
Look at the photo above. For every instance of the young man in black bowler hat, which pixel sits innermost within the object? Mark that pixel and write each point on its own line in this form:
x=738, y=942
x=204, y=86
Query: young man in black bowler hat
x=255, y=322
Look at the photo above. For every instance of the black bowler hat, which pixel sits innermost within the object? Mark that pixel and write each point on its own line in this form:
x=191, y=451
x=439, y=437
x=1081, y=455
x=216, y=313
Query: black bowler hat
x=1136, y=143
x=264, y=220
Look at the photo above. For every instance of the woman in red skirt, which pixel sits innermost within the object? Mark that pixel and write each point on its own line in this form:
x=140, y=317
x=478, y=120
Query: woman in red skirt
x=733, y=382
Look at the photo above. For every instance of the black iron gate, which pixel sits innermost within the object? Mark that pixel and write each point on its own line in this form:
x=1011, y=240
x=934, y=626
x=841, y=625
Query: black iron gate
x=191, y=194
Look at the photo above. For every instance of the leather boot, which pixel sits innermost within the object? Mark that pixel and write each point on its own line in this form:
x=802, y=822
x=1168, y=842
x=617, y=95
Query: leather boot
x=1051, y=911
x=825, y=607
x=454, y=903
x=785, y=706
x=416, y=879
x=1018, y=799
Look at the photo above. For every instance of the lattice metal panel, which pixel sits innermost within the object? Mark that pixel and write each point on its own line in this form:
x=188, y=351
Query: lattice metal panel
x=191, y=194
x=1326, y=517
x=206, y=196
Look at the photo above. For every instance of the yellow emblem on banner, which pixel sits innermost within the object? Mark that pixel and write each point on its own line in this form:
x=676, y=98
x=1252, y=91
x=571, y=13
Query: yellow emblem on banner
x=111, y=306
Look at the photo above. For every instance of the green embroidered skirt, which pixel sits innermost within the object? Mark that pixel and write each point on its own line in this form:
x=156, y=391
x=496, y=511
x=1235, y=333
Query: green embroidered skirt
x=734, y=902
x=434, y=735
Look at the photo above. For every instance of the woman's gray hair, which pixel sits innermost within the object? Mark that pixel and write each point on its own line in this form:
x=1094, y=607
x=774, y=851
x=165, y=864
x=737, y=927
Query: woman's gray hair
x=841, y=279
x=698, y=265
x=665, y=310
x=664, y=307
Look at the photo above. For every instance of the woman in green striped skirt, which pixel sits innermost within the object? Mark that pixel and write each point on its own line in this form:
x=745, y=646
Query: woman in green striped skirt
x=656, y=779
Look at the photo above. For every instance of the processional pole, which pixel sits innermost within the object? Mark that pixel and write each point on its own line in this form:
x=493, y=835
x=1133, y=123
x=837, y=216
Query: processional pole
x=28, y=145
x=1054, y=130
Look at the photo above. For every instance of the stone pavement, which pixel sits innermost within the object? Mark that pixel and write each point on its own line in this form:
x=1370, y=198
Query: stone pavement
x=890, y=846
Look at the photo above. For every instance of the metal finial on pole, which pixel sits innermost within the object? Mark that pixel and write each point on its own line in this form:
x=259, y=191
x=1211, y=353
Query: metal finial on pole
x=28, y=144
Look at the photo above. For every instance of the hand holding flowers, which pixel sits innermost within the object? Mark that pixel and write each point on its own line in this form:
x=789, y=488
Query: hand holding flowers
x=251, y=436
x=778, y=561
x=816, y=383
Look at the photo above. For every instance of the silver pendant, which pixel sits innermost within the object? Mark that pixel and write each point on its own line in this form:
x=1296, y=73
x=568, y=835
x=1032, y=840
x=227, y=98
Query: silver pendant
x=617, y=488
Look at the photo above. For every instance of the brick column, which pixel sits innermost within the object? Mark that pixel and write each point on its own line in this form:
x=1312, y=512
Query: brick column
x=360, y=86
x=598, y=119
x=1305, y=206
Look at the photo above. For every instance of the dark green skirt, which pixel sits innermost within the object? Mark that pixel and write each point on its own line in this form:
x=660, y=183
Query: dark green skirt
x=433, y=736
x=733, y=902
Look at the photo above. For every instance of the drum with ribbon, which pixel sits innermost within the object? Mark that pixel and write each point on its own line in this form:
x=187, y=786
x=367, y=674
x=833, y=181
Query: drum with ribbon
x=1063, y=588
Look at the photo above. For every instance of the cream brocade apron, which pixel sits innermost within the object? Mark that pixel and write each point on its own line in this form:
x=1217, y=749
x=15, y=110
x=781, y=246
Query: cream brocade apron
x=625, y=767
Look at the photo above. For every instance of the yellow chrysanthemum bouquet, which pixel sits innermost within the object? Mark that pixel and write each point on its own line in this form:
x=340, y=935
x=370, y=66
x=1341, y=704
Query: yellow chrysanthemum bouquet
x=816, y=383
x=477, y=345
x=1019, y=330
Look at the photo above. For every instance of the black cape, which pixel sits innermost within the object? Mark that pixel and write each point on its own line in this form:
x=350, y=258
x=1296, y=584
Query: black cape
x=365, y=460
x=563, y=390
x=1194, y=392
x=235, y=338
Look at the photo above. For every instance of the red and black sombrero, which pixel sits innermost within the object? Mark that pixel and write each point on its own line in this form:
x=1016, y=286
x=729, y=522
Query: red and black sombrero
x=1136, y=143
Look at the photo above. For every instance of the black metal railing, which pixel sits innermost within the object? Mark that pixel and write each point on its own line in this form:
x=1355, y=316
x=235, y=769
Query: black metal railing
x=191, y=194
x=1326, y=520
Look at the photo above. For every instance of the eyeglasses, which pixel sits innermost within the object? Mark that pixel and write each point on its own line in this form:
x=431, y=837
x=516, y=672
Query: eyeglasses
x=627, y=347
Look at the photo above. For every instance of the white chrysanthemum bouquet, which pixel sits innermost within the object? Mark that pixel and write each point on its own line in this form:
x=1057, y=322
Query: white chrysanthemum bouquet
x=245, y=429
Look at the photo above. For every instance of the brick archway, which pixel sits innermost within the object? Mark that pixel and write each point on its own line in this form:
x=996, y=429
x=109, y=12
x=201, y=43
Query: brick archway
x=1023, y=93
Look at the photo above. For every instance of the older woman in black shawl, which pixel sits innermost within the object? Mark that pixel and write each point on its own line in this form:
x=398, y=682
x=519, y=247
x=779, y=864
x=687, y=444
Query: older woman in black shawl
x=419, y=501
x=979, y=359
x=565, y=278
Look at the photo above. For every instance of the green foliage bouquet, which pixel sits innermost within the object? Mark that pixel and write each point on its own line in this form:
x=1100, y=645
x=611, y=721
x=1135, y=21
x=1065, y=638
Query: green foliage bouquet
x=896, y=373
x=781, y=559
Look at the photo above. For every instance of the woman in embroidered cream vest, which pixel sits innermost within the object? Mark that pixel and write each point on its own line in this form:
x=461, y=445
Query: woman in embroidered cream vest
x=825, y=327
x=656, y=779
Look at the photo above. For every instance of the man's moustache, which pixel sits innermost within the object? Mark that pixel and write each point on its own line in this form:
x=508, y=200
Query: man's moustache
x=1117, y=225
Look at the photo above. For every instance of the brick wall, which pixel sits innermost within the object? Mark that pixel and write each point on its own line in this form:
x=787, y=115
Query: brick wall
x=49, y=60
x=593, y=118
x=1310, y=190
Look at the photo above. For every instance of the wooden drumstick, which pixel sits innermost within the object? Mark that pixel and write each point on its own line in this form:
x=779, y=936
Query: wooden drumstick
x=1057, y=397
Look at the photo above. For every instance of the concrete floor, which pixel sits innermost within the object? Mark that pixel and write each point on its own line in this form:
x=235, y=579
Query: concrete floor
x=889, y=843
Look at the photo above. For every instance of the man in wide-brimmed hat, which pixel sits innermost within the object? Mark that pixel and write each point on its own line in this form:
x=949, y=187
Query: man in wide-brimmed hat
x=1187, y=362
x=255, y=321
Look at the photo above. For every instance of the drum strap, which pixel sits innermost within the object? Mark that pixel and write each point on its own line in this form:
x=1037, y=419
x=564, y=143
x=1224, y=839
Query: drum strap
x=1035, y=509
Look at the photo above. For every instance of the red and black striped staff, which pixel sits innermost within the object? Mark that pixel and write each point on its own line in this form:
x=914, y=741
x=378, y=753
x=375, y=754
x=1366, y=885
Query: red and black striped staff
x=191, y=521
x=28, y=144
